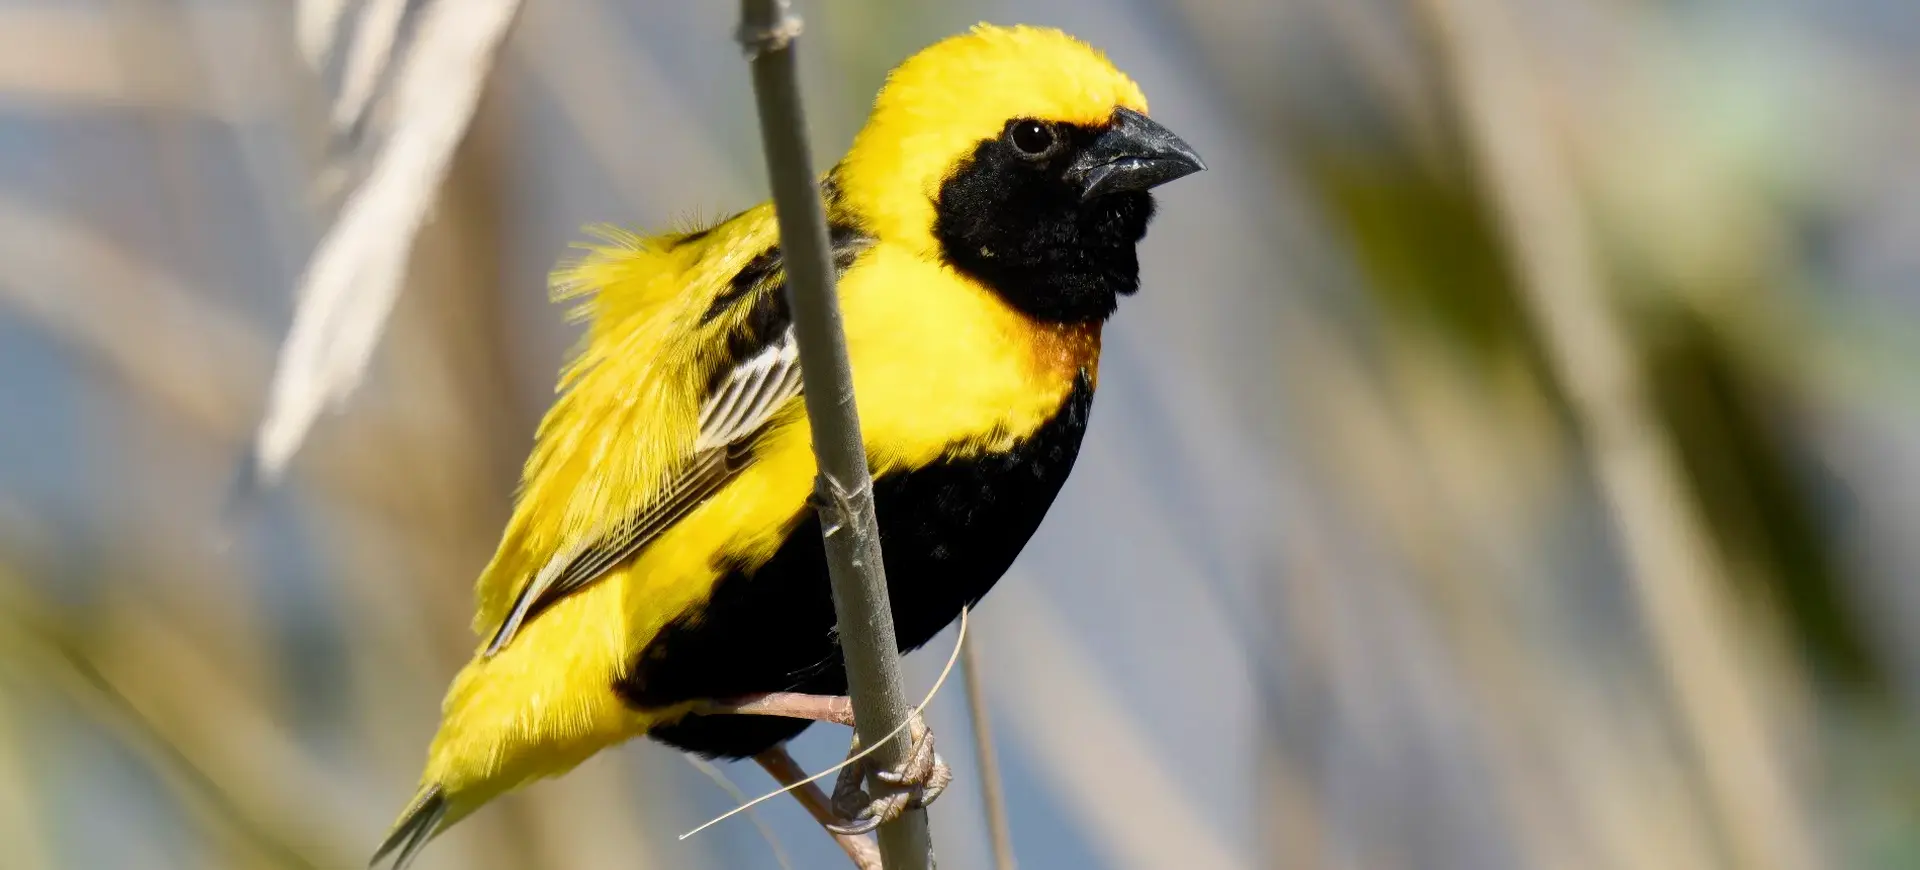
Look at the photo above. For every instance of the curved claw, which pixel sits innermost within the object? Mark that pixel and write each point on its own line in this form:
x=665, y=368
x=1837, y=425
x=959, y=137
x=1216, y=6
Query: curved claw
x=913, y=785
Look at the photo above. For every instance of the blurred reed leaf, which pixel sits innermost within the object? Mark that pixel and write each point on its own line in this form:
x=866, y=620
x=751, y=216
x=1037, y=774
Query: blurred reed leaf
x=377, y=45
x=1422, y=235
x=23, y=820
x=317, y=29
x=1724, y=708
x=356, y=273
x=1739, y=453
x=62, y=657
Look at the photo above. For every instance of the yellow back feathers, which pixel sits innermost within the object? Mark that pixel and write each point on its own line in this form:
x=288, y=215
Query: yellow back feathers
x=938, y=104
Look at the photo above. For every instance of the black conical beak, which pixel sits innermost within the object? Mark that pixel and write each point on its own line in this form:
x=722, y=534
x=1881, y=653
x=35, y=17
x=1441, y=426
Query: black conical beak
x=1134, y=153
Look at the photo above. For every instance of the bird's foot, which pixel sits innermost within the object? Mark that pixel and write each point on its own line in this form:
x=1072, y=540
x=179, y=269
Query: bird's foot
x=911, y=786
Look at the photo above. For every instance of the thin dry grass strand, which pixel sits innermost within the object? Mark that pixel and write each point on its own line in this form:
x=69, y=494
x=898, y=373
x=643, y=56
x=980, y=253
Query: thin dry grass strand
x=720, y=779
x=993, y=800
x=918, y=710
x=354, y=277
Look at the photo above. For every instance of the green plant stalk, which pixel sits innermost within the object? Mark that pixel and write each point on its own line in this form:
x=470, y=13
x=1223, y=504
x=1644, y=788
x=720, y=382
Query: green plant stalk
x=844, y=488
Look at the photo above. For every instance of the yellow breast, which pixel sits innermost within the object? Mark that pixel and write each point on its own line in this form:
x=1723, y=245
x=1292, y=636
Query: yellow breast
x=941, y=366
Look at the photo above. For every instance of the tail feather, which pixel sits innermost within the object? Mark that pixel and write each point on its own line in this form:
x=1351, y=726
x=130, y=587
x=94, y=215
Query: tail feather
x=417, y=825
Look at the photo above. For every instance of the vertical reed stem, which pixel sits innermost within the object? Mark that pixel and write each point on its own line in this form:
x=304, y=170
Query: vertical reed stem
x=844, y=490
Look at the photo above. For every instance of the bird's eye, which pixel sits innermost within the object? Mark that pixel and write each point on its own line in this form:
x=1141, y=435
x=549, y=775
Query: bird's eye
x=1031, y=137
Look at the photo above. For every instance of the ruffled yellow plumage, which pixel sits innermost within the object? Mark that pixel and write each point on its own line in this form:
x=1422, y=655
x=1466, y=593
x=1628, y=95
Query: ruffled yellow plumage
x=942, y=367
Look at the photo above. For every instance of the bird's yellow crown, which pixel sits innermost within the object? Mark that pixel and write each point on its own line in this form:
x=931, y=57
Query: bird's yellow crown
x=941, y=102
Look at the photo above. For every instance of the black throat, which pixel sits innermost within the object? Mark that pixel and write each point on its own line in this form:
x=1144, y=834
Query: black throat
x=1021, y=230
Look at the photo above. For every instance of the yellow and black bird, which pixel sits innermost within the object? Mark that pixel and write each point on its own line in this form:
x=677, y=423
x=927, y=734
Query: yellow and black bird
x=663, y=570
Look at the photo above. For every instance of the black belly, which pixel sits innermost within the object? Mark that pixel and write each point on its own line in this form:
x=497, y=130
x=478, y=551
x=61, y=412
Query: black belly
x=948, y=531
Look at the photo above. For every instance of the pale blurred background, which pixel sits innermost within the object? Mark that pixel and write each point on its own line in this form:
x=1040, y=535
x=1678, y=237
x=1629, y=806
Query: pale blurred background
x=1512, y=461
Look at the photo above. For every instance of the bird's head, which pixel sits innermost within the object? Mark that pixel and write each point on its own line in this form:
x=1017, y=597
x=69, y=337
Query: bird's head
x=1021, y=157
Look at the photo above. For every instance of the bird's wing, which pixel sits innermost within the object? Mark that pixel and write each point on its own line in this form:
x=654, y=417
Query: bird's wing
x=740, y=406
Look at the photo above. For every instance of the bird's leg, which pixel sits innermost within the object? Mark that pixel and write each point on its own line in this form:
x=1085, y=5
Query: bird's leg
x=913, y=785
x=837, y=709
x=784, y=770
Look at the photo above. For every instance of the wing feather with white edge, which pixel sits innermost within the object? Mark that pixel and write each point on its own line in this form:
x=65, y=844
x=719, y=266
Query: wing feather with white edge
x=756, y=389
